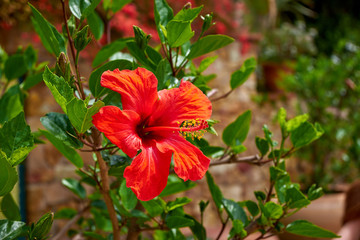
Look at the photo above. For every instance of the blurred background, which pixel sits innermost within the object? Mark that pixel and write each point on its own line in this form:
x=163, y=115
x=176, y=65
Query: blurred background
x=308, y=62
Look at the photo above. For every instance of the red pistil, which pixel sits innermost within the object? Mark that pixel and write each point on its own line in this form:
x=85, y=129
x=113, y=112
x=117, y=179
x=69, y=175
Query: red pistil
x=186, y=126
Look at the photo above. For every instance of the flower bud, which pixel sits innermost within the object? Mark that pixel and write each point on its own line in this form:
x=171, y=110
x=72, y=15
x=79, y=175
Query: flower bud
x=81, y=39
x=207, y=22
x=141, y=38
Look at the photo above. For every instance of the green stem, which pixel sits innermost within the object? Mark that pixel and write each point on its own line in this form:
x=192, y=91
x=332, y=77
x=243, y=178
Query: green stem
x=74, y=56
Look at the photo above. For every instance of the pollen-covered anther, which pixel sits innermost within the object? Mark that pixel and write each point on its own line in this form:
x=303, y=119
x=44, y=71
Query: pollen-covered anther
x=194, y=128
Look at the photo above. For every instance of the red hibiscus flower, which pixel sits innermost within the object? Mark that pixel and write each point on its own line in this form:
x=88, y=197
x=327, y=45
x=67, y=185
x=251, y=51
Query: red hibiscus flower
x=154, y=123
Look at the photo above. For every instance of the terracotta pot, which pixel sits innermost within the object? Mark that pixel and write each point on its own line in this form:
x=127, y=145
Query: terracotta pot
x=275, y=72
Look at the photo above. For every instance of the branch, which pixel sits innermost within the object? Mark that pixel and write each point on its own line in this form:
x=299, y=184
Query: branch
x=255, y=159
x=105, y=187
x=171, y=63
x=222, y=228
x=99, y=149
x=223, y=96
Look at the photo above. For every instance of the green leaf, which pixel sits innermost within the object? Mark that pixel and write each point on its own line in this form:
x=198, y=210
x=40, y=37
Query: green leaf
x=281, y=118
x=128, y=198
x=179, y=222
x=32, y=80
x=176, y=234
x=114, y=99
x=260, y=195
x=213, y=151
x=154, y=207
x=178, y=32
x=48, y=34
x=94, y=81
x=197, y=229
x=9, y=208
x=102, y=221
x=238, y=149
x=314, y=193
x=108, y=50
x=241, y=75
x=305, y=228
x=273, y=210
x=10, y=230
x=119, y=4
x=305, y=134
x=74, y=186
x=235, y=211
x=235, y=133
x=237, y=229
x=252, y=207
x=176, y=185
x=295, y=198
x=153, y=55
x=80, y=115
x=11, y=104
x=163, y=14
x=281, y=185
x=67, y=151
x=208, y=44
x=187, y=14
x=139, y=54
x=268, y=136
x=65, y=213
x=16, y=139
x=3, y=56
x=30, y=57
x=294, y=123
x=206, y=62
x=15, y=66
x=59, y=88
x=277, y=173
x=82, y=8
x=179, y=202
x=60, y=126
x=96, y=25
x=262, y=145
x=43, y=226
x=59, y=38
x=214, y=190
x=93, y=235
x=8, y=175
x=163, y=74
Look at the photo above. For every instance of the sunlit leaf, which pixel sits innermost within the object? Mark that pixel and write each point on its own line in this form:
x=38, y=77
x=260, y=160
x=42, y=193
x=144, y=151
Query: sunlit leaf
x=305, y=228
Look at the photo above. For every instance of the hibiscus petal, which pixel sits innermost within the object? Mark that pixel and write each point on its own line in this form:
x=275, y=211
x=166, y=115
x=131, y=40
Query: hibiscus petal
x=148, y=173
x=179, y=104
x=190, y=162
x=138, y=88
x=119, y=127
